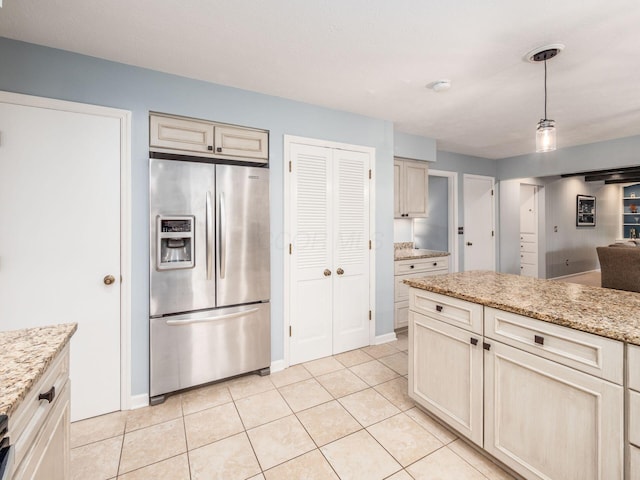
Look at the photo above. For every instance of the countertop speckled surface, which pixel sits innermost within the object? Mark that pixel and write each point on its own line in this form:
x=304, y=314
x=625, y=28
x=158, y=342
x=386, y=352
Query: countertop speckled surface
x=415, y=253
x=24, y=357
x=610, y=313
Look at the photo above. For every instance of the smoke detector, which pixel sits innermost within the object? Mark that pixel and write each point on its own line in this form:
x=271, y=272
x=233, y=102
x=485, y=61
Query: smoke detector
x=440, y=85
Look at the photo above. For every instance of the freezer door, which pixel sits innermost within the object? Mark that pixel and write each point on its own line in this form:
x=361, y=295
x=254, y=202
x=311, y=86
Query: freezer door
x=192, y=349
x=183, y=190
x=242, y=203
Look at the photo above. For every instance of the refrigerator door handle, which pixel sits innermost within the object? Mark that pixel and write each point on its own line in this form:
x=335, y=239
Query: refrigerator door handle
x=223, y=237
x=177, y=323
x=209, y=234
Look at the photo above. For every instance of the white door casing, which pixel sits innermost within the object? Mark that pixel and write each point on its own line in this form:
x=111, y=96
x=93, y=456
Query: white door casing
x=64, y=192
x=329, y=270
x=479, y=225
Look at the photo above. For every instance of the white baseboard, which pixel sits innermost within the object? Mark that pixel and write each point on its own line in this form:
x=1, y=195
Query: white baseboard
x=574, y=274
x=277, y=366
x=386, y=338
x=139, y=401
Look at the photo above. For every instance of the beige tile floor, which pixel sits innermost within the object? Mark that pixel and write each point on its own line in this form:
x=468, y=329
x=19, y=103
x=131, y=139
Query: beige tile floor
x=341, y=417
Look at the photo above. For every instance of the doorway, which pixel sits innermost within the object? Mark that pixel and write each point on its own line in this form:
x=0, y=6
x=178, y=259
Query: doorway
x=329, y=268
x=479, y=223
x=63, y=171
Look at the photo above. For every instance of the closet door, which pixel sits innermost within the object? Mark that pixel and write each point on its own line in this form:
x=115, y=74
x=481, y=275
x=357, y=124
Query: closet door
x=311, y=317
x=350, y=250
x=329, y=276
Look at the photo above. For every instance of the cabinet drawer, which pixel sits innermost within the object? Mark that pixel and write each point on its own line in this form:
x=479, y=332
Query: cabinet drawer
x=528, y=247
x=528, y=257
x=421, y=265
x=402, y=289
x=634, y=418
x=27, y=421
x=633, y=366
x=451, y=310
x=583, y=351
x=528, y=237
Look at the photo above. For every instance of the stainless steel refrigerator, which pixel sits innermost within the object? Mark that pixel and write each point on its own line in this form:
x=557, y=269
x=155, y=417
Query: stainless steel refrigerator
x=209, y=273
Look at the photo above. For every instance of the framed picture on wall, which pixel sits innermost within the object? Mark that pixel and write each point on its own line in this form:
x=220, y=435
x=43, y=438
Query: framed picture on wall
x=586, y=211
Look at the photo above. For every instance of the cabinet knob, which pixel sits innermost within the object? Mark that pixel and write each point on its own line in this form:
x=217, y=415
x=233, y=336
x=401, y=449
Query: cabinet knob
x=219, y=149
x=412, y=266
x=48, y=396
x=339, y=271
x=538, y=339
x=435, y=264
x=439, y=308
x=474, y=341
x=469, y=244
x=109, y=280
x=486, y=346
x=327, y=272
x=210, y=147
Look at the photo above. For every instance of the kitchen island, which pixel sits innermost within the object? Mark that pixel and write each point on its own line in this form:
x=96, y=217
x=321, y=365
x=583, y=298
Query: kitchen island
x=532, y=371
x=34, y=398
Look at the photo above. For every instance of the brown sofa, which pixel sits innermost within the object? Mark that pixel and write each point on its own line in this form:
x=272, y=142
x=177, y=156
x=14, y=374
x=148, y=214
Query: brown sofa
x=620, y=266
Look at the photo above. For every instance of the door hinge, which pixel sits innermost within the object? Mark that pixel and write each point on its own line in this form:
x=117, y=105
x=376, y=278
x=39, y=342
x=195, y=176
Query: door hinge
x=492, y=192
x=289, y=330
x=369, y=314
x=369, y=174
x=369, y=244
x=492, y=233
x=290, y=249
x=289, y=165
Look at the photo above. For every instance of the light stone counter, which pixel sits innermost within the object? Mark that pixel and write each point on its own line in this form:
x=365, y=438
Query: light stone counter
x=610, y=313
x=24, y=357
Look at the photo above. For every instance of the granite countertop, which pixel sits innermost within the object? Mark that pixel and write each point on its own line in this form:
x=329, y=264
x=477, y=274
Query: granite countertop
x=610, y=313
x=24, y=357
x=414, y=253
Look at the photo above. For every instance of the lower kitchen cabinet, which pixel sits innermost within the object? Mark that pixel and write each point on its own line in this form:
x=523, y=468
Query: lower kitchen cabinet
x=530, y=400
x=549, y=421
x=445, y=373
x=40, y=428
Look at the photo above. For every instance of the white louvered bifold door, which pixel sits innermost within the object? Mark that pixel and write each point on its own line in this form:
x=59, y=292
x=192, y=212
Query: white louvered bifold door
x=329, y=218
x=311, y=231
x=350, y=250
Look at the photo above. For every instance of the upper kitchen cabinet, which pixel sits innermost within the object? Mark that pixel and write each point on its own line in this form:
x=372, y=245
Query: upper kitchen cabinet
x=189, y=136
x=411, y=189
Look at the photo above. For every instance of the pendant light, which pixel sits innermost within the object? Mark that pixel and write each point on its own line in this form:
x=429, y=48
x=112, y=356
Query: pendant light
x=546, y=129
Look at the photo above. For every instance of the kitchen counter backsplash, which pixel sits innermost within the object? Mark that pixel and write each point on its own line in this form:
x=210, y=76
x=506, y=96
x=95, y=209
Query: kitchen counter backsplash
x=602, y=311
x=24, y=357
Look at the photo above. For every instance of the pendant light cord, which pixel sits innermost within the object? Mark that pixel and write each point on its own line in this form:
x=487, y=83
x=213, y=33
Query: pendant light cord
x=545, y=89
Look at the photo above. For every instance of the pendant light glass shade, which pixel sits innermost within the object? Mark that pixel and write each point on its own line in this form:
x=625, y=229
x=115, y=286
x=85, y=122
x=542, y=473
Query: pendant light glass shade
x=546, y=136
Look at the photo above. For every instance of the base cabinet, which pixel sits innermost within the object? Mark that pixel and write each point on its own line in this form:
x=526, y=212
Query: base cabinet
x=526, y=399
x=535, y=408
x=445, y=373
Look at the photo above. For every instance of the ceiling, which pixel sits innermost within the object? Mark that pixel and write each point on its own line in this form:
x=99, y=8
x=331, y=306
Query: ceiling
x=375, y=57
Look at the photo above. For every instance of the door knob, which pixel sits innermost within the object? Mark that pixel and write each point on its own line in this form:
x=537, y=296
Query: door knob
x=340, y=271
x=109, y=279
x=469, y=244
x=327, y=272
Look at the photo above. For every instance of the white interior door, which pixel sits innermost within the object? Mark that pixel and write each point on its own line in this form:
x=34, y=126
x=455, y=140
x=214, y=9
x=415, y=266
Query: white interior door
x=351, y=250
x=311, y=328
x=479, y=230
x=528, y=230
x=60, y=236
x=329, y=265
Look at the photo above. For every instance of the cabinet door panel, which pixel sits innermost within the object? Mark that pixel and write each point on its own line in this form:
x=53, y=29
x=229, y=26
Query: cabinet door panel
x=180, y=134
x=445, y=373
x=416, y=184
x=397, y=189
x=536, y=409
x=241, y=142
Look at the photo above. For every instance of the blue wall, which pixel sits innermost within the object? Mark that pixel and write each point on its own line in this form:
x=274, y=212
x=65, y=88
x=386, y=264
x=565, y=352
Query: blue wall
x=46, y=72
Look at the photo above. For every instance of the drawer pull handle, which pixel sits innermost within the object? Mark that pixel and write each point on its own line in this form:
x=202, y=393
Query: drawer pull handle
x=439, y=308
x=474, y=341
x=486, y=346
x=538, y=339
x=48, y=396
